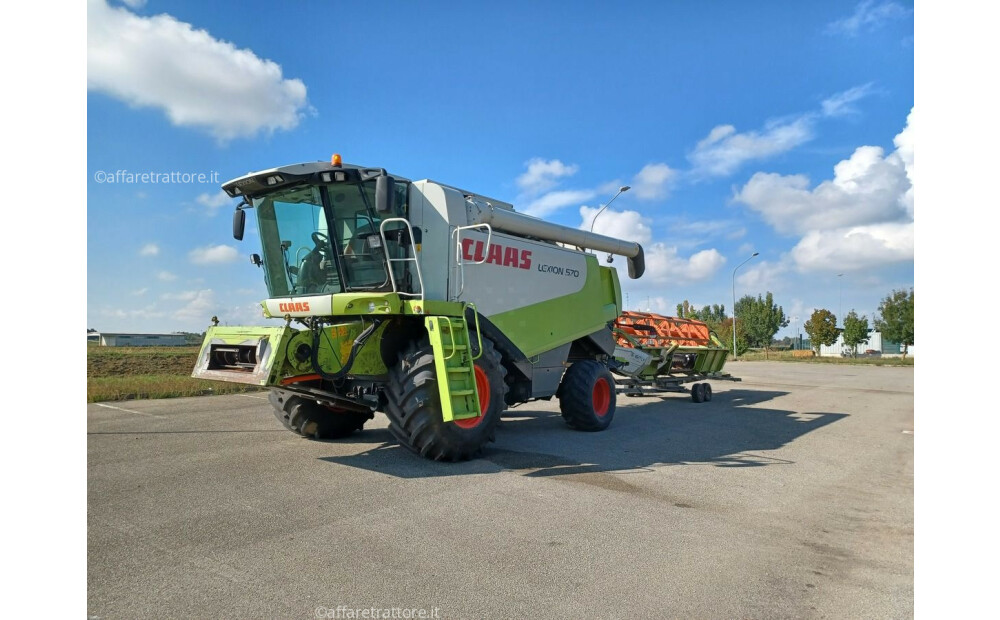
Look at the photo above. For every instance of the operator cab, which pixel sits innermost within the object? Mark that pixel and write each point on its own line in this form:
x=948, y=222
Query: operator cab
x=320, y=228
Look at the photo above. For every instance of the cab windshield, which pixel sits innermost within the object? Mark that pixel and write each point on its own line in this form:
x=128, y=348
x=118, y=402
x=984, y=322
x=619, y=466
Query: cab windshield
x=325, y=239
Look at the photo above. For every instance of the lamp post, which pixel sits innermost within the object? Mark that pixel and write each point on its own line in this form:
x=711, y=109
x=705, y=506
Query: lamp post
x=735, y=355
x=621, y=190
x=840, y=306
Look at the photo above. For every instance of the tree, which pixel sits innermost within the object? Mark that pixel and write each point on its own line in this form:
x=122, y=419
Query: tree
x=822, y=328
x=725, y=333
x=895, y=318
x=759, y=319
x=855, y=331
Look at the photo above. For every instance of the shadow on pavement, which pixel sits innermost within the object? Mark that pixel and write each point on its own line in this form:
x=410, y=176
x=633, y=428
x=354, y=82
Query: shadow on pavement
x=645, y=433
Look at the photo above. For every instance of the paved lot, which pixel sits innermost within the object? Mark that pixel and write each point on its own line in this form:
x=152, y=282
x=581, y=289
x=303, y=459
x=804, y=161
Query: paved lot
x=790, y=495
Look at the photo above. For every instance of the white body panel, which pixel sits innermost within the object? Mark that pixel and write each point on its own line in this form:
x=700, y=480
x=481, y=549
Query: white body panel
x=311, y=305
x=518, y=272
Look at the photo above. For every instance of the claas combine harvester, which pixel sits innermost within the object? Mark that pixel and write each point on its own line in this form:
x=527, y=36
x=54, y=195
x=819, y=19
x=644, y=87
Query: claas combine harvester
x=434, y=305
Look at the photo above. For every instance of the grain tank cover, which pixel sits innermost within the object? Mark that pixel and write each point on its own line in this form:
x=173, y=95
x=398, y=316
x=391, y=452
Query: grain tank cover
x=520, y=224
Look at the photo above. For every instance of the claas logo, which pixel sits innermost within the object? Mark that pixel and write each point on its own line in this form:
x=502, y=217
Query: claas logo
x=472, y=250
x=298, y=306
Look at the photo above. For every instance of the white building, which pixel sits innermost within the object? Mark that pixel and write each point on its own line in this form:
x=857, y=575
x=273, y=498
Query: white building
x=142, y=340
x=875, y=343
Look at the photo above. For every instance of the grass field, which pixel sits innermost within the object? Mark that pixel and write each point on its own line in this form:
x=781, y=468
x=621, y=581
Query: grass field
x=124, y=373
x=790, y=356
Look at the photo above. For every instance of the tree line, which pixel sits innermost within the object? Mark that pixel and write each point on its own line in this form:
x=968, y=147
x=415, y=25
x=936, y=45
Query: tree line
x=759, y=319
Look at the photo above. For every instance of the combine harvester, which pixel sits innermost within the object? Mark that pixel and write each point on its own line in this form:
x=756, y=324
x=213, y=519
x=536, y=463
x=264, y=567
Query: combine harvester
x=658, y=354
x=434, y=305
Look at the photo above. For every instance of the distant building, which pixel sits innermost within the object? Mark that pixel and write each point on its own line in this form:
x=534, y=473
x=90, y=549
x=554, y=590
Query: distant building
x=142, y=340
x=875, y=343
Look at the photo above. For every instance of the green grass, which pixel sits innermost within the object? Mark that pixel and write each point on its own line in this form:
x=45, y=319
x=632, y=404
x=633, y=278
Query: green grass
x=125, y=373
x=786, y=356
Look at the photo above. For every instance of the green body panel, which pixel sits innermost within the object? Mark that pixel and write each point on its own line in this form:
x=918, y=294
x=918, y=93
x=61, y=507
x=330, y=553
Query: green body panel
x=376, y=304
x=453, y=363
x=269, y=342
x=276, y=353
x=710, y=359
x=544, y=326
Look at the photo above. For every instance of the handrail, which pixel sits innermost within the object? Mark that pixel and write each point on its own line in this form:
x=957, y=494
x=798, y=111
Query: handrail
x=451, y=335
x=460, y=259
x=416, y=262
x=479, y=334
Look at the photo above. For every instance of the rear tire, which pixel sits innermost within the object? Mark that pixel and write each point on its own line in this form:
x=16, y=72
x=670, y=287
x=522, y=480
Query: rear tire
x=708, y=391
x=698, y=392
x=587, y=396
x=306, y=417
x=414, y=405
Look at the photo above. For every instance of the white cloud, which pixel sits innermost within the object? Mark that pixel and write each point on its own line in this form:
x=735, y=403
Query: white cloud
x=724, y=150
x=628, y=225
x=904, y=150
x=149, y=312
x=761, y=276
x=868, y=16
x=150, y=249
x=542, y=175
x=553, y=201
x=854, y=248
x=866, y=188
x=166, y=276
x=214, y=202
x=141, y=291
x=842, y=104
x=665, y=265
x=862, y=217
x=213, y=254
x=651, y=183
x=135, y=4
x=196, y=79
x=182, y=296
x=201, y=306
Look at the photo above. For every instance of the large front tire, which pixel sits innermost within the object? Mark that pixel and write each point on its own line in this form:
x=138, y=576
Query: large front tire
x=587, y=396
x=414, y=405
x=306, y=417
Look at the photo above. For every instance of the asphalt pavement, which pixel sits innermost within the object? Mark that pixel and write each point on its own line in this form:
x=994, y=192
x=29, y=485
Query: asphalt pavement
x=789, y=495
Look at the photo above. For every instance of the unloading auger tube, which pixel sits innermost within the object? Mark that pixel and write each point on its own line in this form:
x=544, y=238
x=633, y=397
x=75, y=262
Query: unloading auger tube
x=521, y=224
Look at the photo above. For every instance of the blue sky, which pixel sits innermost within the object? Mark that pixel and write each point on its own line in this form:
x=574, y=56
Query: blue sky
x=783, y=128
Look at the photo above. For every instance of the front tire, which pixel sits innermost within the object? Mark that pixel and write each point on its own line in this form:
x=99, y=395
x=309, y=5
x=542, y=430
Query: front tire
x=306, y=417
x=587, y=396
x=414, y=405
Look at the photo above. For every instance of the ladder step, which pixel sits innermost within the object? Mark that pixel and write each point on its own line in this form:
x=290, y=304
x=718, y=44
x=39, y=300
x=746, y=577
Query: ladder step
x=459, y=369
x=462, y=392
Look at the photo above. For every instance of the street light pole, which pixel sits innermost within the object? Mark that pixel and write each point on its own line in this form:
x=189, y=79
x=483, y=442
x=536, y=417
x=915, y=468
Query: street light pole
x=840, y=307
x=621, y=190
x=735, y=355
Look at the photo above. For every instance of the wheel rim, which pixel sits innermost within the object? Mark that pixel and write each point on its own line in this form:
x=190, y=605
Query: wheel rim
x=483, y=390
x=602, y=397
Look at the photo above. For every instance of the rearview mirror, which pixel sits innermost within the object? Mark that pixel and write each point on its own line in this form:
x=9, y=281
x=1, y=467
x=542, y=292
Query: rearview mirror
x=239, y=222
x=385, y=194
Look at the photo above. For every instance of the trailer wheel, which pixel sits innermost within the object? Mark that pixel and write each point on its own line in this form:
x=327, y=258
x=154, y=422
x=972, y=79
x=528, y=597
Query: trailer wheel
x=414, y=405
x=698, y=392
x=708, y=391
x=587, y=396
x=305, y=417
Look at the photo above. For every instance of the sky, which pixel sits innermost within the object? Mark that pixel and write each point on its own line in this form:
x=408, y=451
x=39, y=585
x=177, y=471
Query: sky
x=783, y=128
